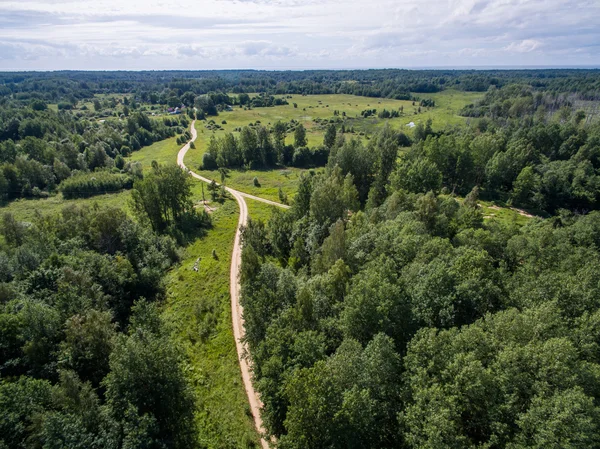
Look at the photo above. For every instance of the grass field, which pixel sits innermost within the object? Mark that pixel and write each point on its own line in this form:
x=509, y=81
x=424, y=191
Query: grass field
x=507, y=215
x=270, y=181
x=310, y=107
x=258, y=210
x=198, y=309
x=163, y=152
x=25, y=209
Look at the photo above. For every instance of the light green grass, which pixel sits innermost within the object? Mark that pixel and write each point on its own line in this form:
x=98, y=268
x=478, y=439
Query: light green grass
x=448, y=104
x=506, y=215
x=198, y=309
x=270, y=181
x=258, y=210
x=25, y=209
x=163, y=152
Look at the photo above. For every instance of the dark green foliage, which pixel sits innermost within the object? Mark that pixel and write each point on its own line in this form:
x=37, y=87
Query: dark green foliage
x=256, y=147
x=329, y=137
x=542, y=166
x=417, y=324
x=70, y=376
x=300, y=136
x=147, y=385
x=97, y=183
x=163, y=198
x=514, y=379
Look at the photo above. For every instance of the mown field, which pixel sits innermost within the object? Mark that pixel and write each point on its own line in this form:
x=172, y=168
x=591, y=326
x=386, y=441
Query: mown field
x=163, y=152
x=26, y=209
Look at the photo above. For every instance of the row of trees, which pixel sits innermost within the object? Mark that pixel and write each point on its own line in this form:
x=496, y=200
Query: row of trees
x=258, y=146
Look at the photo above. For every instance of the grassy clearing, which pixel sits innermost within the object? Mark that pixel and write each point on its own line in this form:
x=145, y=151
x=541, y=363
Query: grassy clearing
x=270, y=181
x=26, y=209
x=163, y=152
x=309, y=107
x=198, y=309
x=448, y=105
x=506, y=215
x=258, y=210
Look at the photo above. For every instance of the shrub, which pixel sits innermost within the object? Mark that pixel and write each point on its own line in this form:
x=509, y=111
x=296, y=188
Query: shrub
x=84, y=185
x=208, y=162
x=255, y=182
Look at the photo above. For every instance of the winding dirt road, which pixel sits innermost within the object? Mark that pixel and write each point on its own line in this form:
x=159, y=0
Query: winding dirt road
x=234, y=289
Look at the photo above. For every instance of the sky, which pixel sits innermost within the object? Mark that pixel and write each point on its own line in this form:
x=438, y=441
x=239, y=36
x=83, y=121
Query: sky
x=296, y=34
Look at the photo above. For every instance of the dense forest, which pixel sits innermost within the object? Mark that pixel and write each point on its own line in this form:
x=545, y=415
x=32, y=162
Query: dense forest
x=392, y=83
x=85, y=359
x=415, y=323
x=383, y=311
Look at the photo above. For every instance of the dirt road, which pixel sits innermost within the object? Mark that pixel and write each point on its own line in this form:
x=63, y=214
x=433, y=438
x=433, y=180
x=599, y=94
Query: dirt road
x=234, y=289
x=181, y=155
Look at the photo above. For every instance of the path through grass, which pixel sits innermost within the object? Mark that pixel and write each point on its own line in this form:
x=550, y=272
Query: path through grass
x=198, y=309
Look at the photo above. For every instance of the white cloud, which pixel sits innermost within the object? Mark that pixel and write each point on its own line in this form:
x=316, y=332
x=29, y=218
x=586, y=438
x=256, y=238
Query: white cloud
x=524, y=46
x=113, y=34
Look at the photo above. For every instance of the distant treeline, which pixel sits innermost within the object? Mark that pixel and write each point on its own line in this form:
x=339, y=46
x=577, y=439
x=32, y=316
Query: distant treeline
x=389, y=83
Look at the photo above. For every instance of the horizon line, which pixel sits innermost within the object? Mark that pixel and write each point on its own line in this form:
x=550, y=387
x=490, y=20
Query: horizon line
x=506, y=67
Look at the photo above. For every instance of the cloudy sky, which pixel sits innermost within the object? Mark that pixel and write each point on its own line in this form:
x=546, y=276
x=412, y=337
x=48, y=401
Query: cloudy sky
x=296, y=34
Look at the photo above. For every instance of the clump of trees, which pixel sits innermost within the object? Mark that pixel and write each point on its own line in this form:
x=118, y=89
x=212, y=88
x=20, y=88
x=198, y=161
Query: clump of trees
x=546, y=166
x=163, y=198
x=258, y=146
x=40, y=148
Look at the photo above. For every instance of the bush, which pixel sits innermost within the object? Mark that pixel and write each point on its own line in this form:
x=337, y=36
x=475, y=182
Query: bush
x=208, y=162
x=302, y=157
x=84, y=185
x=282, y=196
x=255, y=182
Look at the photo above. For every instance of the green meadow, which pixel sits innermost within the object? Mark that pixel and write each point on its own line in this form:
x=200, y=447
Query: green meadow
x=198, y=309
x=308, y=109
x=163, y=152
x=26, y=209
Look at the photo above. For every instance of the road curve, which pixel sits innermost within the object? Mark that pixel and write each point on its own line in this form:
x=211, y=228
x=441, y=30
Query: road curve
x=234, y=289
x=181, y=156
